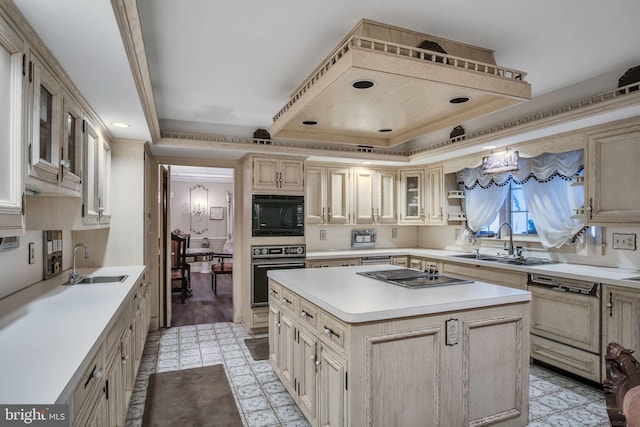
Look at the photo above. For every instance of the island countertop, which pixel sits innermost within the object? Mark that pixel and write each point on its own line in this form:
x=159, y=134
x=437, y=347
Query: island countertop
x=354, y=298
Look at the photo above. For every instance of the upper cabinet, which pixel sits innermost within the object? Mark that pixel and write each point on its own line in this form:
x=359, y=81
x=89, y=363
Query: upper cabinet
x=43, y=132
x=612, y=173
x=277, y=174
x=97, y=177
x=435, y=196
x=412, y=197
x=12, y=86
x=327, y=195
x=71, y=150
x=374, y=196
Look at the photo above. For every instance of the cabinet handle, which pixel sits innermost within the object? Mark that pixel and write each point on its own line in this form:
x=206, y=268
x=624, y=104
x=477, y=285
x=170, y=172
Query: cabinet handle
x=378, y=214
x=373, y=215
x=323, y=214
x=287, y=300
x=125, y=359
x=590, y=208
x=274, y=292
x=329, y=214
x=305, y=314
x=330, y=331
x=610, y=304
x=422, y=214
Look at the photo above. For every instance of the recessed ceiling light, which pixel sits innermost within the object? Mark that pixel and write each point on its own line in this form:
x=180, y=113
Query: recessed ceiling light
x=385, y=130
x=309, y=122
x=489, y=147
x=363, y=84
x=459, y=100
x=119, y=125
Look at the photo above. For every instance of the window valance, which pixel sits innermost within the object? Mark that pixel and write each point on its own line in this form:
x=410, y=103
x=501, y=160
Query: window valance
x=541, y=168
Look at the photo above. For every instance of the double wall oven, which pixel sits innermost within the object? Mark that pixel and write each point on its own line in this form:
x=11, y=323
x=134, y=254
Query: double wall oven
x=272, y=257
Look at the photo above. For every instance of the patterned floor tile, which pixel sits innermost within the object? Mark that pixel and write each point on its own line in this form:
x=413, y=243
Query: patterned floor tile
x=288, y=413
x=252, y=404
x=262, y=418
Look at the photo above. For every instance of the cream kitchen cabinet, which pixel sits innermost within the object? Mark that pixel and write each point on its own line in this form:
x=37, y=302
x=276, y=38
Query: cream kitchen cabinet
x=306, y=355
x=435, y=194
x=361, y=370
x=278, y=174
x=71, y=146
x=102, y=395
x=327, y=194
x=612, y=173
x=374, y=196
x=400, y=261
x=412, y=198
x=13, y=82
x=44, y=136
x=620, y=318
x=96, y=203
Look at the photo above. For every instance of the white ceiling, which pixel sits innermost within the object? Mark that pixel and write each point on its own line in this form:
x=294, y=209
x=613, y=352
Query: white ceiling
x=225, y=67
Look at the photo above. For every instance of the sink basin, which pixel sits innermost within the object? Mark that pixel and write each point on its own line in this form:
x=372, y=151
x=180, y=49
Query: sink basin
x=506, y=260
x=102, y=279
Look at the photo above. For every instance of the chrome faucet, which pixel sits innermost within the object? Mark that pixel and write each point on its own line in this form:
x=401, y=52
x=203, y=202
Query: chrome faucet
x=510, y=236
x=73, y=277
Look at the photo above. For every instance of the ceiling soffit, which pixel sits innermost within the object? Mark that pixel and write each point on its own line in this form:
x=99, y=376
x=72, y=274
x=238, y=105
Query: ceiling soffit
x=410, y=89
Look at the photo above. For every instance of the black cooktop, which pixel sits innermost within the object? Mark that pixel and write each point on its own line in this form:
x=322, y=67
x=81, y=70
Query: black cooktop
x=412, y=278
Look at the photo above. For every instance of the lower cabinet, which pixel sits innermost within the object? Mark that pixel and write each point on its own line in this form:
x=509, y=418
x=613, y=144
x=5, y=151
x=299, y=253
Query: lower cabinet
x=102, y=395
x=482, y=273
x=422, y=370
x=620, y=319
x=338, y=262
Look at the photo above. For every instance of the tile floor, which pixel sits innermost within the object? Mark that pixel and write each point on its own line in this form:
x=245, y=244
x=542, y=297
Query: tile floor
x=263, y=401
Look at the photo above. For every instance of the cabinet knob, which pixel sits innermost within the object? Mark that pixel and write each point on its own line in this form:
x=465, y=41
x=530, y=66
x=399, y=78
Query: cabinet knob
x=97, y=375
x=609, y=305
x=327, y=331
x=125, y=359
x=303, y=314
x=312, y=357
x=278, y=324
x=317, y=363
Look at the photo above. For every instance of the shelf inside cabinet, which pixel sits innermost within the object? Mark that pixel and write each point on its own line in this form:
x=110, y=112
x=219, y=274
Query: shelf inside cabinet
x=455, y=194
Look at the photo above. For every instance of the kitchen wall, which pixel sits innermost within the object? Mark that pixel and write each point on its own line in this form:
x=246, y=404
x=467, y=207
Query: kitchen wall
x=338, y=237
x=181, y=211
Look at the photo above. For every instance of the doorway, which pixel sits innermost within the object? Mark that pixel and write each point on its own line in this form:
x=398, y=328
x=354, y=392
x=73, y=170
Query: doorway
x=200, y=206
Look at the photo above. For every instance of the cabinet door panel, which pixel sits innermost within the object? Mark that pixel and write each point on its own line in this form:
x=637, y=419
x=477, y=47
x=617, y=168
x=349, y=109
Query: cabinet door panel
x=338, y=195
x=287, y=342
x=332, y=410
x=11, y=130
x=315, y=194
x=90, y=188
x=71, y=151
x=363, y=209
x=435, y=196
x=306, y=354
x=386, y=194
x=291, y=175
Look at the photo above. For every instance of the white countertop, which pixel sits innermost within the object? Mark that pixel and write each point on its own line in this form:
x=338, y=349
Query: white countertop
x=354, y=298
x=47, y=340
x=607, y=275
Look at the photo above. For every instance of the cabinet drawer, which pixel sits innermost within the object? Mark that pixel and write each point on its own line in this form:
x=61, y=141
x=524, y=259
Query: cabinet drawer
x=482, y=273
x=289, y=300
x=332, y=329
x=579, y=362
x=274, y=292
x=308, y=314
x=260, y=318
x=90, y=380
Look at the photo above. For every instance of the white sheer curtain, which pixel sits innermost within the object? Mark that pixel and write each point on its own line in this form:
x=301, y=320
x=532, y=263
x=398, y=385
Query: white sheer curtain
x=481, y=206
x=551, y=205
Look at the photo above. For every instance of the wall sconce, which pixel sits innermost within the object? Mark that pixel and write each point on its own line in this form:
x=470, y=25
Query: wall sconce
x=198, y=210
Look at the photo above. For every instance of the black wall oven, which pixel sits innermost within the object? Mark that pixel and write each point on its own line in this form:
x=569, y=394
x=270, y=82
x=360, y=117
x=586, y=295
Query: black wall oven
x=277, y=215
x=272, y=257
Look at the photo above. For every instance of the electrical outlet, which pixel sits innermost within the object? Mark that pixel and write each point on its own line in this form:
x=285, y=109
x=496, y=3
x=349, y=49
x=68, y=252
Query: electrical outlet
x=624, y=241
x=323, y=234
x=32, y=253
x=456, y=233
x=394, y=233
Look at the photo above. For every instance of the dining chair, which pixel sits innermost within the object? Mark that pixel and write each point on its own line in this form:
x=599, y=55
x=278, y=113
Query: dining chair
x=223, y=266
x=622, y=386
x=179, y=267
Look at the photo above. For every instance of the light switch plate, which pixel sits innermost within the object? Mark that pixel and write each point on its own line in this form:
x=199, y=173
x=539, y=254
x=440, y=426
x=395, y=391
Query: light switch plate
x=626, y=241
x=394, y=233
x=323, y=234
x=451, y=328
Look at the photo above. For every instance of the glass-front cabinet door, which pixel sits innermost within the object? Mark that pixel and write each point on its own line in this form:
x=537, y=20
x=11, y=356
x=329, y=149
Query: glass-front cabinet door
x=71, y=150
x=44, y=138
x=12, y=83
x=412, y=197
x=91, y=146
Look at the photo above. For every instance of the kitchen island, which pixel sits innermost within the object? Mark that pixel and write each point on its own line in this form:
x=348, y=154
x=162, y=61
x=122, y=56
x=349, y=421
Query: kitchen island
x=352, y=350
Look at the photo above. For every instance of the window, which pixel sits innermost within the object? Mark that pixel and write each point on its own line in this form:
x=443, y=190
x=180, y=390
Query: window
x=515, y=212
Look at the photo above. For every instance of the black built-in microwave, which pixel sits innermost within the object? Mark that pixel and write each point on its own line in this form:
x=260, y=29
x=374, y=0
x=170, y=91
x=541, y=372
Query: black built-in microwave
x=277, y=215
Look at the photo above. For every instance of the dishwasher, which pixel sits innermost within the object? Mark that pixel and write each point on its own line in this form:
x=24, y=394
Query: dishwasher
x=565, y=324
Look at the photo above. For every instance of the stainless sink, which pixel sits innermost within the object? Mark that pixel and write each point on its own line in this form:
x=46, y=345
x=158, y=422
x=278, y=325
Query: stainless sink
x=506, y=260
x=102, y=279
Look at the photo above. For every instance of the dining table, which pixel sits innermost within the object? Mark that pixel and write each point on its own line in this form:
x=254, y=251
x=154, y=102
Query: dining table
x=204, y=255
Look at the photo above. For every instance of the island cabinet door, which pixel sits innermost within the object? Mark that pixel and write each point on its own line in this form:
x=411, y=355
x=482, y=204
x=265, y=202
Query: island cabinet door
x=274, y=337
x=332, y=388
x=306, y=357
x=287, y=343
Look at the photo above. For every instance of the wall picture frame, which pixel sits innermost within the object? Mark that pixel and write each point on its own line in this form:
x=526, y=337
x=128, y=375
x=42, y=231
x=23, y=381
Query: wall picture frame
x=216, y=213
